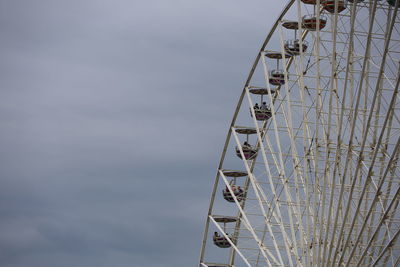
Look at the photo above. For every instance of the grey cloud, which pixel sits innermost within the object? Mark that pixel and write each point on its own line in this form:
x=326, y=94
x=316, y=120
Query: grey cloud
x=112, y=118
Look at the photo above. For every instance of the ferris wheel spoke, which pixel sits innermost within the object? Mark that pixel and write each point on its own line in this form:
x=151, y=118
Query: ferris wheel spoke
x=294, y=154
x=258, y=188
x=386, y=235
x=259, y=193
x=384, y=155
x=339, y=131
x=397, y=262
x=364, y=140
x=387, y=193
x=327, y=169
x=278, y=217
x=249, y=227
x=367, y=182
x=318, y=111
x=381, y=222
x=291, y=210
x=307, y=138
x=354, y=118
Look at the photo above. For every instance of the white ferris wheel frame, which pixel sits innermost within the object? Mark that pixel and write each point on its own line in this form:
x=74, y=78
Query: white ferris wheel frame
x=325, y=255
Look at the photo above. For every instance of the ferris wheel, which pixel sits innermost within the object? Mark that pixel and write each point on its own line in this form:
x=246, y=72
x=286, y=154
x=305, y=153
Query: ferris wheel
x=309, y=173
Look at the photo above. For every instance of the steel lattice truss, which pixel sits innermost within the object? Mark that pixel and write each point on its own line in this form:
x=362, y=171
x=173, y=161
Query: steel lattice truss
x=319, y=177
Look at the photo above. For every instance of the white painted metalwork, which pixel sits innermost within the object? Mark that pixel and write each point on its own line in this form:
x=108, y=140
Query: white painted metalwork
x=324, y=188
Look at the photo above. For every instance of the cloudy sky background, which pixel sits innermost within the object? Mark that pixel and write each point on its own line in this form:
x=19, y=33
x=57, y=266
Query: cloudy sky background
x=113, y=115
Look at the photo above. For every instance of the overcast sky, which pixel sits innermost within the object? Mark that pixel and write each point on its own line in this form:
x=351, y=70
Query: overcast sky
x=113, y=116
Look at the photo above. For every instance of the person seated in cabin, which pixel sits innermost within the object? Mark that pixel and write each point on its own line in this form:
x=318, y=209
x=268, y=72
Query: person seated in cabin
x=264, y=106
x=246, y=145
x=233, y=187
x=297, y=45
x=256, y=107
x=216, y=236
x=240, y=190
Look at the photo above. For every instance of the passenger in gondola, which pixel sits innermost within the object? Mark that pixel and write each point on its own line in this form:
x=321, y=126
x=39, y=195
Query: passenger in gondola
x=216, y=235
x=233, y=187
x=240, y=190
x=246, y=145
x=264, y=106
x=256, y=107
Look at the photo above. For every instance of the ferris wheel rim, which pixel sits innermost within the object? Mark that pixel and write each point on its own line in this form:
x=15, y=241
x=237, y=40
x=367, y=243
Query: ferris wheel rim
x=233, y=131
x=221, y=161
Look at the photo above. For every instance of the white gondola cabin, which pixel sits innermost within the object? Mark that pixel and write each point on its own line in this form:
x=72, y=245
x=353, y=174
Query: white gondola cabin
x=291, y=25
x=329, y=5
x=220, y=240
x=277, y=77
x=276, y=55
x=235, y=174
x=237, y=191
x=293, y=46
x=248, y=151
x=310, y=22
x=309, y=2
x=261, y=91
x=262, y=114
